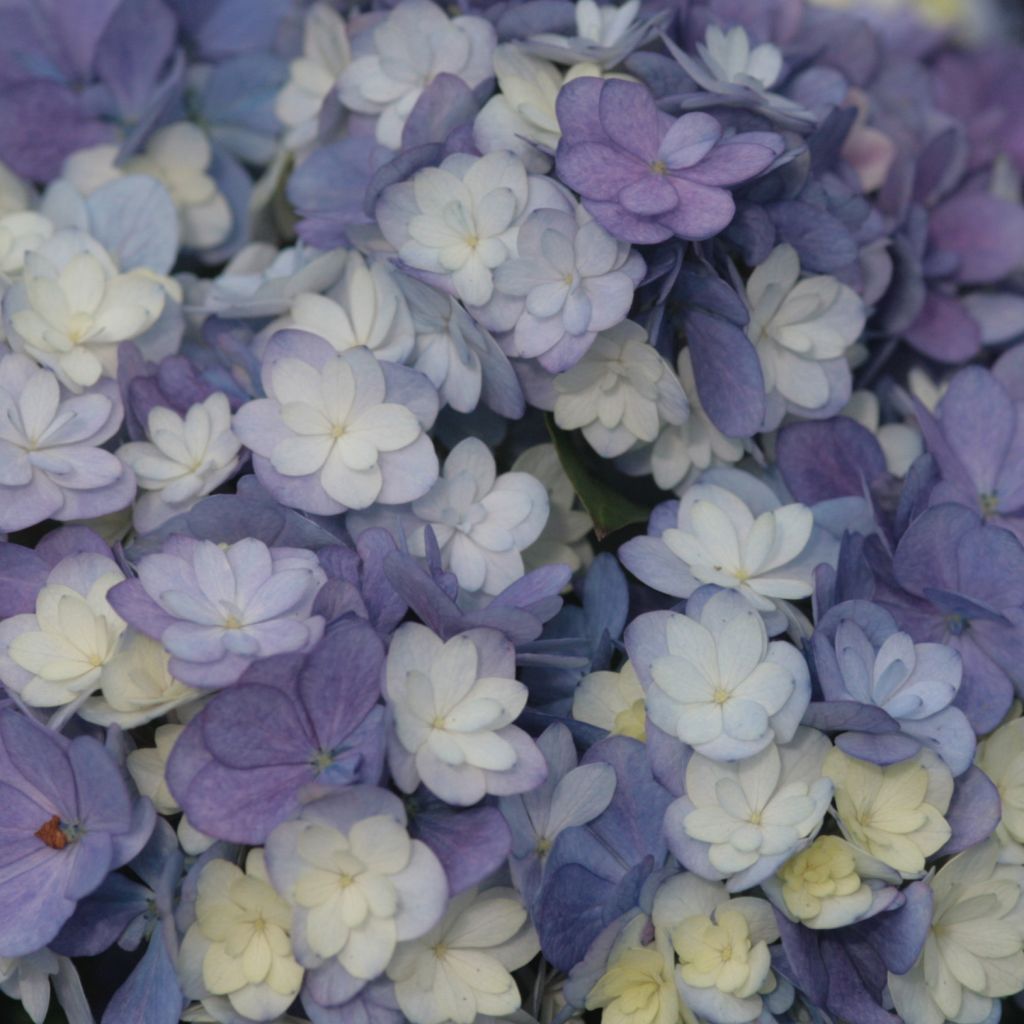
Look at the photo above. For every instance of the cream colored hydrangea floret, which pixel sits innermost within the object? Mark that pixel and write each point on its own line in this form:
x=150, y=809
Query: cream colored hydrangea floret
x=830, y=884
x=1001, y=757
x=137, y=686
x=638, y=986
x=613, y=701
x=148, y=768
x=974, y=953
x=21, y=232
x=75, y=307
x=62, y=652
x=724, y=970
x=894, y=813
x=240, y=944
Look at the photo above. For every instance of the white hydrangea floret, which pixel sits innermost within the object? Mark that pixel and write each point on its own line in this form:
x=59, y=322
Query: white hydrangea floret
x=742, y=820
x=568, y=281
x=802, y=329
x=684, y=449
x=730, y=58
x=27, y=979
x=723, y=688
x=312, y=75
x=72, y=308
x=184, y=458
x=521, y=117
x=328, y=438
x=451, y=348
x=458, y=220
x=481, y=521
x=462, y=967
x=453, y=704
x=722, y=542
x=262, y=280
x=602, y=31
x=364, y=308
x=622, y=392
x=396, y=60
x=605, y=24
x=901, y=443
x=240, y=946
x=358, y=883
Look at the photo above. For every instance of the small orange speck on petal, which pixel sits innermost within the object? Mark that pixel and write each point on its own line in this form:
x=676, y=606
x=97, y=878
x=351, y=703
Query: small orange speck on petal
x=52, y=834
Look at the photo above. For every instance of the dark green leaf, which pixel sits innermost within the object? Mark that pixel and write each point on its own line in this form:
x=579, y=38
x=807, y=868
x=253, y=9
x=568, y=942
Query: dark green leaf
x=603, y=497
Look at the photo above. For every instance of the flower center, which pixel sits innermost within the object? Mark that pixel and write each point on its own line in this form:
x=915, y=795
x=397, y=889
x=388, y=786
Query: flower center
x=956, y=624
x=659, y=167
x=79, y=326
x=720, y=696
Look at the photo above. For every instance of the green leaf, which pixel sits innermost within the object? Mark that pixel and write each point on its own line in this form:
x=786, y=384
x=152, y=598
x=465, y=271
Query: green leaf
x=604, y=499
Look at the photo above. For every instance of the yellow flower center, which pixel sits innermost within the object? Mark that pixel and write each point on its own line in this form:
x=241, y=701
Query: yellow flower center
x=826, y=869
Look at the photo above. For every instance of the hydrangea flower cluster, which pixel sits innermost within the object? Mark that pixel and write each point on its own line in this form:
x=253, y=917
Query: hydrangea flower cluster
x=510, y=512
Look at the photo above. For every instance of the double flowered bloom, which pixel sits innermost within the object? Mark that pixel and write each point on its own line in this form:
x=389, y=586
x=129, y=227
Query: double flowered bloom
x=217, y=610
x=52, y=464
x=453, y=705
x=338, y=431
x=352, y=347
x=646, y=176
